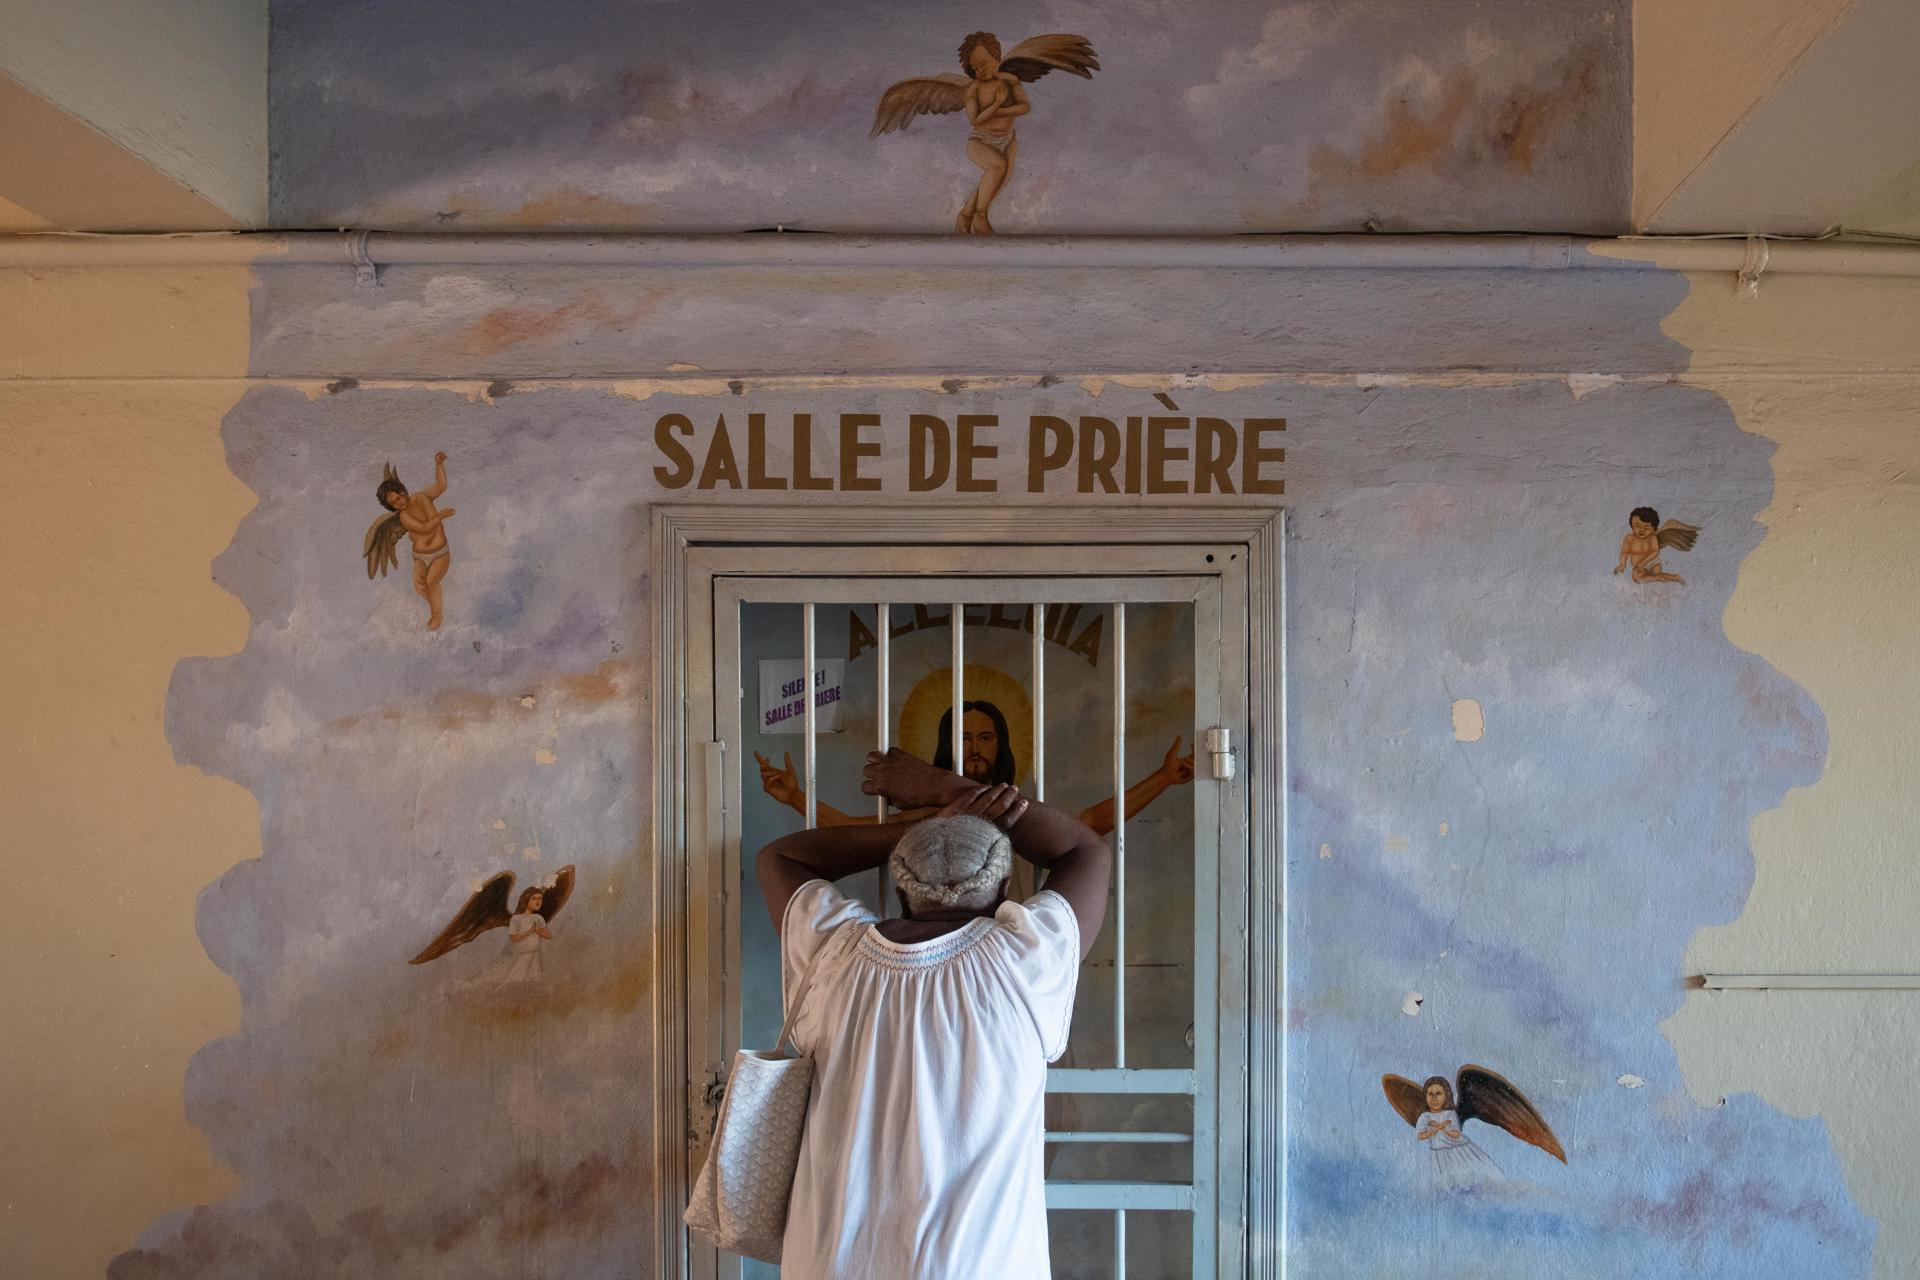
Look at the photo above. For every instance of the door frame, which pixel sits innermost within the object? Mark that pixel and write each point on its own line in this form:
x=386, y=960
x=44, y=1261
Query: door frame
x=681, y=781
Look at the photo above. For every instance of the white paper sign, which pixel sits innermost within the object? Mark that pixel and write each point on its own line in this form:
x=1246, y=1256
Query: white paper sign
x=783, y=709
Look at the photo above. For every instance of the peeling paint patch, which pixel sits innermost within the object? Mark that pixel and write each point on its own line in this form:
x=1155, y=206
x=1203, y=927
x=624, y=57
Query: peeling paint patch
x=528, y=701
x=531, y=853
x=1411, y=1005
x=544, y=756
x=1469, y=721
x=1631, y=1081
x=1446, y=829
x=499, y=824
x=1583, y=385
x=1326, y=853
x=1396, y=844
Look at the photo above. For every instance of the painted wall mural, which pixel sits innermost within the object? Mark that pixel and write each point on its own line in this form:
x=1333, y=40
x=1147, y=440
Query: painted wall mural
x=1439, y=1109
x=993, y=94
x=1215, y=116
x=1519, y=782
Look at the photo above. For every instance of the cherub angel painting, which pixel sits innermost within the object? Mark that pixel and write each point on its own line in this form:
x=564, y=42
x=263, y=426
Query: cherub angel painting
x=993, y=94
x=519, y=964
x=1647, y=538
x=1439, y=1111
x=414, y=515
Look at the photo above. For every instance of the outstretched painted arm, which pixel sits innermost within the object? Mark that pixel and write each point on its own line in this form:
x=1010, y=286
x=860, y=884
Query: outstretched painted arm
x=783, y=784
x=1174, y=770
x=439, y=485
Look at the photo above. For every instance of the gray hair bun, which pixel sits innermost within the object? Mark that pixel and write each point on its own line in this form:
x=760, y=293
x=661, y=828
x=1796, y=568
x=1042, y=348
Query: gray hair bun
x=943, y=861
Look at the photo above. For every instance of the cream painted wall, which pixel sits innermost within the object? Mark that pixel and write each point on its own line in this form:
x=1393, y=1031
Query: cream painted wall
x=1699, y=67
x=180, y=83
x=1830, y=599
x=14, y=219
x=1830, y=133
x=119, y=497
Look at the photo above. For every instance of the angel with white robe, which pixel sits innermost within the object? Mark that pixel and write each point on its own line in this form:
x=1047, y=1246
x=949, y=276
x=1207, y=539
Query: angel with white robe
x=993, y=94
x=519, y=964
x=1439, y=1110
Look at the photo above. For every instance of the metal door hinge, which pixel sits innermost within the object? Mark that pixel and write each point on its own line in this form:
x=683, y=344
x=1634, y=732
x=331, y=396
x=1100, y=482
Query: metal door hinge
x=1219, y=745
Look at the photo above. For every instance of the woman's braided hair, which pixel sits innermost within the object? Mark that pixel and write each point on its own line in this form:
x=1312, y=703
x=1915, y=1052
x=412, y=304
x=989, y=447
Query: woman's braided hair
x=945, y=862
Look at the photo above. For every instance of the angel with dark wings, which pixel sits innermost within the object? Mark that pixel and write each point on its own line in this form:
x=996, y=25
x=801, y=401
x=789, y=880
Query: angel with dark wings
x=1647, y=538
x=993, y=94
x=414, y=515
x=526, y=925
x=1439, y=1111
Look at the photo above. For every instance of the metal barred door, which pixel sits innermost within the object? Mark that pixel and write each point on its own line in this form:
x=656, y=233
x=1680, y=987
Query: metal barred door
x=1118, y=693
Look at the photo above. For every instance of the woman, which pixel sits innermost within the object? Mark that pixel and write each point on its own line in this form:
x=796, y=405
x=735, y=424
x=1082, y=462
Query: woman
x=930, y=1033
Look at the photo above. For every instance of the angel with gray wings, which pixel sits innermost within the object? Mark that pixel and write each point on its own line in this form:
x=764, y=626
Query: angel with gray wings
x=1439, y=1110
x=526, y=923
x=993, y=94
x=414, y=516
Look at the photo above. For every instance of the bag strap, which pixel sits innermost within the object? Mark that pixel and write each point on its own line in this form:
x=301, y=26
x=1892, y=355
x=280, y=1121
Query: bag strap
x=793, y=1006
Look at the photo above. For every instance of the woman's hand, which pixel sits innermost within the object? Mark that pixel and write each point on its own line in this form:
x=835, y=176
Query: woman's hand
x=1001, y=805
x=910, y=782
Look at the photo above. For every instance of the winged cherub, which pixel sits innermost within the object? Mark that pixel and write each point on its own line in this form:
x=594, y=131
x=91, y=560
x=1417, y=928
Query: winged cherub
x=1439, y=1111
x=526, y=925
x=993, y=94
x=414, y=515
x=1647, y=538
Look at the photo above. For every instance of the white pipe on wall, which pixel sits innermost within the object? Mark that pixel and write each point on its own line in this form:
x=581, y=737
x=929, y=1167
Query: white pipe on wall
x=797, y=250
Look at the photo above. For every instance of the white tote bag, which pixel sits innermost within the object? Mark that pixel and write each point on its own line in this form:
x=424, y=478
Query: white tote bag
x=740, y=1198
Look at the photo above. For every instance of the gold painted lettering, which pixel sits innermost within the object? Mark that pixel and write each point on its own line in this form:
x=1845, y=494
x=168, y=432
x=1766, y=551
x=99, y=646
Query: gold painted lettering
x=1098, y=461
x=860, y=637
x=1042, y=458
x=853, y=448
x=929, y=452
x=1213, y=463
x=803, y=477
x=967, y=453
x=721, y=465
x=1160, y=453
x=757, y=477
x=1254, y=454
x=676, y=476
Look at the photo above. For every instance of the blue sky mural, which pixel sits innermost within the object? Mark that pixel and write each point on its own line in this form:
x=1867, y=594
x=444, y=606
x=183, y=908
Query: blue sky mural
x=661, y=115
x=1535, y=885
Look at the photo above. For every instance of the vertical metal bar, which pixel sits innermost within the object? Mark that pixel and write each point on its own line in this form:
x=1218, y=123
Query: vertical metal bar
x=806, y=679
x=1120, y=836
x=1039, y=703
x=959, y=687
x=883, y=736
x=1119, y=1244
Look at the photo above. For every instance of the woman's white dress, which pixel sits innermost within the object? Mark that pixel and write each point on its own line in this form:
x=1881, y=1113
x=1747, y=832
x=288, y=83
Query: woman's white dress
x=922, y=1157
x=1456, y=1164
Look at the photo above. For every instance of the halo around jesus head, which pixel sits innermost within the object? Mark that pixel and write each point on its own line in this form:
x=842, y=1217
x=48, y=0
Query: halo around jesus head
x=928, y=700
